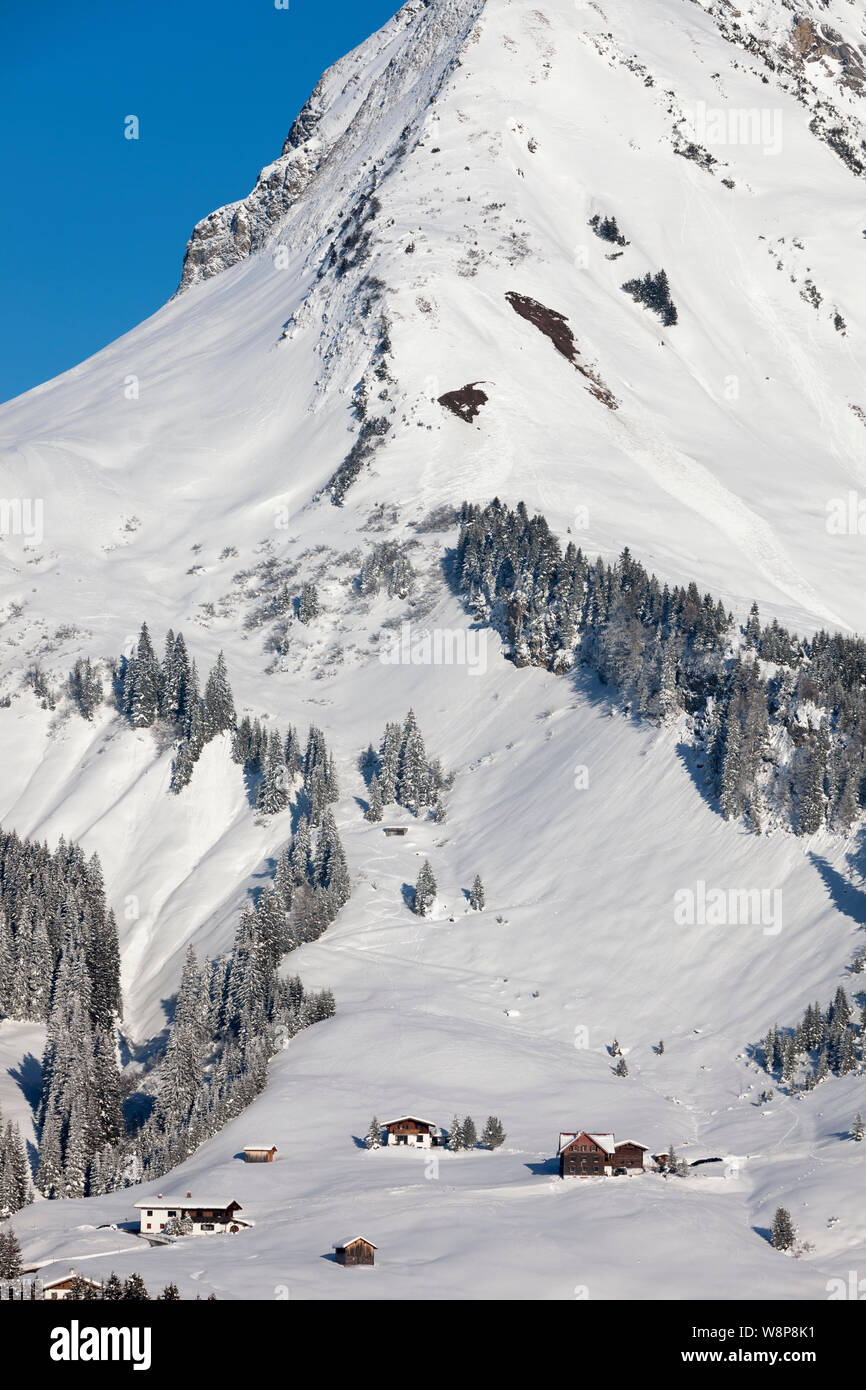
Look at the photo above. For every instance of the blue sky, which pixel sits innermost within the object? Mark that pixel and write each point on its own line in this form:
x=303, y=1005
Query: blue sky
x=95, y=225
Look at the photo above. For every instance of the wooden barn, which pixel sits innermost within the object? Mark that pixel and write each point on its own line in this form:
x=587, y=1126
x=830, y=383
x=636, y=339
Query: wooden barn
x=412, y=1132
x=629, y=1154
x=395, y=829
x=259, y=1153
x=356, y=1251
x=585, y=1155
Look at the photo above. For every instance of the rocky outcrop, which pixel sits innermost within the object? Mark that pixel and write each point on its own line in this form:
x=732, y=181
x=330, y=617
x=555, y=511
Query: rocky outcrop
x=414, y=50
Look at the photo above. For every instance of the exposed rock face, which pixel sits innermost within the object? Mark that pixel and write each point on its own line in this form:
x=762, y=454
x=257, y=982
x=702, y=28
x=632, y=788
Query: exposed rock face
x=816, y=49
x=408, y=58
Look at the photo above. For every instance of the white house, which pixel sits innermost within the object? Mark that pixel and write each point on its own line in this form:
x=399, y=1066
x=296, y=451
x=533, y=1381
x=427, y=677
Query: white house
x=207, y=1216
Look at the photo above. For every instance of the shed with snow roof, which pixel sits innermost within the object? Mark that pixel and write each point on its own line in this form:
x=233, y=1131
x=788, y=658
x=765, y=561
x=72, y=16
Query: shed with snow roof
x=355, y=1251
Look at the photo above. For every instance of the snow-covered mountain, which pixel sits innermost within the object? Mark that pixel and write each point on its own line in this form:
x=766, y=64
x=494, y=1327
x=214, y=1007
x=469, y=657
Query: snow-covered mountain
x=278, y=418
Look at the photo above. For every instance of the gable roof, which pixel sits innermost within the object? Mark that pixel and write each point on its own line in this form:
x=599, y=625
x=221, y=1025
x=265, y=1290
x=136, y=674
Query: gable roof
x=61, y=1279
x=353, y=1240
x=401, y=1118
x=604, y=1141
x=188, y=1204
x=634, y=1143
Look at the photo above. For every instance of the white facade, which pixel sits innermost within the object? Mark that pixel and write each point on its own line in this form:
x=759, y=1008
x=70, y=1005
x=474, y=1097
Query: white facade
x=208, y=1218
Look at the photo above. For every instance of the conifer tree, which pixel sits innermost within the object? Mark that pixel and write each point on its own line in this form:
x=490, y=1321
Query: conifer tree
x=455, y=1136
x=112, y=1289
x=476, y=896
x=135, y=1290
x=308, y=603
x=273, y=795
x=374, y=810
x=374, y=1134
x=493, y=1134
x=425, y=890
x=10, y=1255
x=219, y=707
x=783, y=1233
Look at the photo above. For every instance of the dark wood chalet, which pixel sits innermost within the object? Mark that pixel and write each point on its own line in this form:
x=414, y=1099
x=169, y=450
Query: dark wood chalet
x=585, y=1155
x=395, y=829
x=629, y=1154
x=356, y=1251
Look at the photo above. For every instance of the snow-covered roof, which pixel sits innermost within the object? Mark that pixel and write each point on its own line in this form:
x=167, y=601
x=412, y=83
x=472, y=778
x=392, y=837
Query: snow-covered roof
x=402, y=1118
x=189, y=1203
x=65, y=1279
x=607, y=1141
x=633, y=1142
x=343, y=1244
x=258, y=1148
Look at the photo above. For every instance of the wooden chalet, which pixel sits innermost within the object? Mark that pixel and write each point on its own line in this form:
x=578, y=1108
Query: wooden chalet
x=207, y=1217
x=59, y=1288
x=356, y=1251
x=585, y=1155
x=413, y=1132
x=259, y=1153
x=395, y=829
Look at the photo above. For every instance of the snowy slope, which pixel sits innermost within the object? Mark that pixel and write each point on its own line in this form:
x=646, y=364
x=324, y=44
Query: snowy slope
x=488, y=134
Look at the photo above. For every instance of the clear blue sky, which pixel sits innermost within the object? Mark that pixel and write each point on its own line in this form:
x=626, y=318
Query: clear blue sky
x=94, y=226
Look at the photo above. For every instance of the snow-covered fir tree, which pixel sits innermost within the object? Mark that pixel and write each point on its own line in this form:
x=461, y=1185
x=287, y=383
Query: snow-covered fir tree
x=782, y=1233
x=425, y=890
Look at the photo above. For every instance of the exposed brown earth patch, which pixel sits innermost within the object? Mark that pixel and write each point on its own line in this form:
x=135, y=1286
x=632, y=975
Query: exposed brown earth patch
x=465, y=403
x=555, y=327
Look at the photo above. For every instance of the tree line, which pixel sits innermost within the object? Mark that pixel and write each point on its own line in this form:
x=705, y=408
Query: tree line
x=778, y=721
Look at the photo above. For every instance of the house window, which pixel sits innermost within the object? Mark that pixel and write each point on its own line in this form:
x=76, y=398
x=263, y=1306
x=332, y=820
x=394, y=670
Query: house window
x=147, y=1226
x=207, y=1226
x=150, y=1213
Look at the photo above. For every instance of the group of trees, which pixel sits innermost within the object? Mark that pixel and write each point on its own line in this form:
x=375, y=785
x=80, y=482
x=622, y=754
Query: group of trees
x=16, y=1189
x=51, y=906
x=116, y=1290
x=824, y=1042
x=400, y=771
x=148, y=691
x=85, y=687
x=234, y=1013
x=387, y=563
x=607, y=229
x=655, y=292
x=463, y=1134
x=60, y=965
x=780, y=721
x=283, y=763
